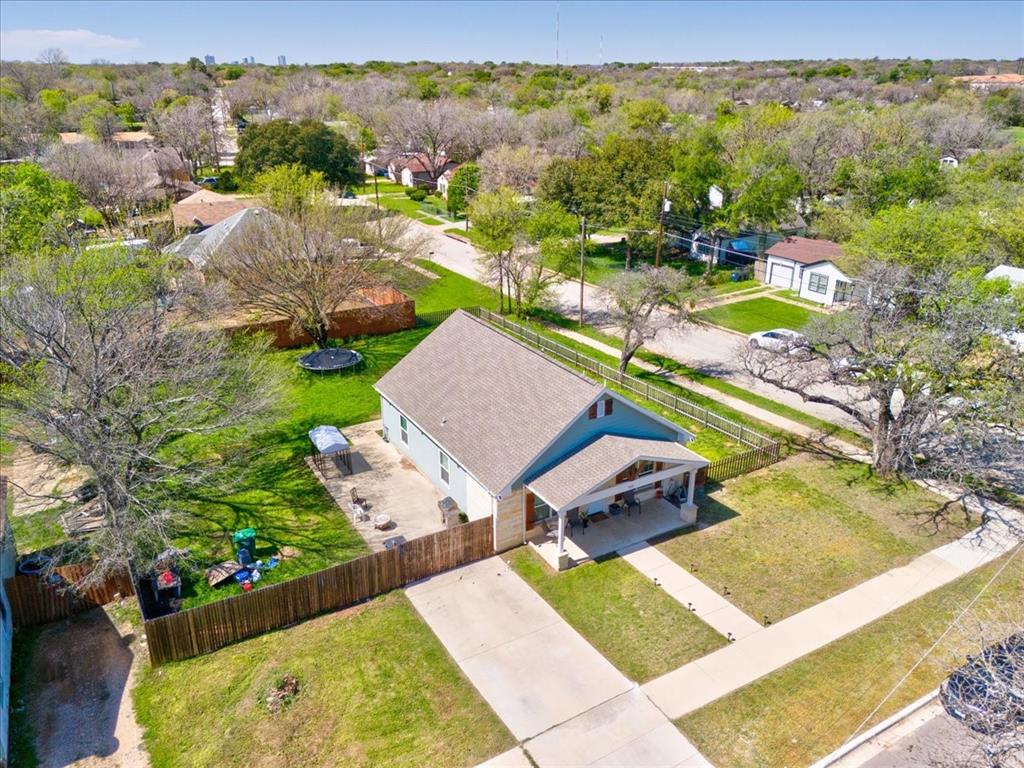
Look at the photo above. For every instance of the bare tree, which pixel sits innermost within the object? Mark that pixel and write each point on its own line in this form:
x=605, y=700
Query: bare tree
x=54, y=58
x=431, y=128
x=111, y=180
x=99, y=373
x=517, y=168
x=186, y=129
x=918, y=361
x=648, y=300
x=306, y=265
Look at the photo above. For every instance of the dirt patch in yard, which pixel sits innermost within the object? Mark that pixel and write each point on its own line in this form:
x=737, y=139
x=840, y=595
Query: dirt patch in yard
x=35, y=479
x=82, y=673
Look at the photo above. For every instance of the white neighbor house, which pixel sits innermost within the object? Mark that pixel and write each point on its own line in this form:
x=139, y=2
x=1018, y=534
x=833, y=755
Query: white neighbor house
x=808, y=267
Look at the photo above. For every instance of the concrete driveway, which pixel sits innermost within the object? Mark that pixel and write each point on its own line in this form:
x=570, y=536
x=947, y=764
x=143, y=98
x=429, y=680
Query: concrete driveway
x=562, y=699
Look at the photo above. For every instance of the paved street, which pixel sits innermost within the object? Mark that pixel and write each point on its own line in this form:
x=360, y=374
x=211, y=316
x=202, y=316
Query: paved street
x=708, y=349
x=927, y=737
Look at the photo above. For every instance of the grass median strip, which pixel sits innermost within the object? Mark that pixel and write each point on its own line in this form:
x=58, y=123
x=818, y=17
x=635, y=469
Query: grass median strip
x=805, y=710
x=634, y=624
x=376, y=688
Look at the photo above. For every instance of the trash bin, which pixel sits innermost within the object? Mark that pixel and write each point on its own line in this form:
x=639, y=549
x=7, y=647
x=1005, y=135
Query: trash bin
x=245, y=539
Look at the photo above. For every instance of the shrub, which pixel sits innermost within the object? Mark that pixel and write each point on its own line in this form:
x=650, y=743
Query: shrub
x=417, y=194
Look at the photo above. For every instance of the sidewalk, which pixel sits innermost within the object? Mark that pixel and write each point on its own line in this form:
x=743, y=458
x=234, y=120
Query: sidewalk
x=709, y=678
x=692, y=593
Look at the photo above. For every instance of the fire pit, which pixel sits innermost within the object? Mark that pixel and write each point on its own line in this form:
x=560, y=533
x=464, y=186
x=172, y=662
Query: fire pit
x=328, y=360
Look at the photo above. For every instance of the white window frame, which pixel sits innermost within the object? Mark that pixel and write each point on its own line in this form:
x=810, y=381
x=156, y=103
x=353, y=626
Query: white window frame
x=603, y=408
x=811, y=283
x=445, y=463
x=403, y=429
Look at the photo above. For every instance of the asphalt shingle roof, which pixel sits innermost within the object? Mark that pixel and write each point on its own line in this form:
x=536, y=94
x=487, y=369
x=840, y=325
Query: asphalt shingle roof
x=198, y=248
x=595, y=462
x=492, y=403
x=806, y=250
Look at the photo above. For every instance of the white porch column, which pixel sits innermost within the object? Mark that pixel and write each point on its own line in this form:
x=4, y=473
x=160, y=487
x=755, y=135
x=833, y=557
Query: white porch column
x=688, y=511
x=563, y=556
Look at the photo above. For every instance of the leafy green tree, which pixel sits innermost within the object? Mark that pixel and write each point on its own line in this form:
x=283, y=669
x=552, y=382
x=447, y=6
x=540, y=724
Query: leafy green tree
x=427, y=88
x=35, y=207
x=464, y=184
x=309, y=143
x=645, y=115
x=233, y=72
x=289, y=189
x=498, y=219
x=890, y=178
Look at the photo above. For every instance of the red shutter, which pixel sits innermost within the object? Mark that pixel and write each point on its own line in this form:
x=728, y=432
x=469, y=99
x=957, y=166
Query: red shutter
x=529, y=510
x=592, y=413
x=608, y=407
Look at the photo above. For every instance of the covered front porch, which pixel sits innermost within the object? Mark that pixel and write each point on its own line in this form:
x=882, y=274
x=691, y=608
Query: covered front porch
x=613, y=492
x=605, y=535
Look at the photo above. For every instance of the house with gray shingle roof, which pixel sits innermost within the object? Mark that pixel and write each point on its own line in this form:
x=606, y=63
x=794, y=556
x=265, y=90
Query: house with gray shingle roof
x=507, y=432
x=199, y=247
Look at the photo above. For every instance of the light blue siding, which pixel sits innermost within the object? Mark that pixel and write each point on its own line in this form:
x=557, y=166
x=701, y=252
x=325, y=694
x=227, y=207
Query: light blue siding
x=424, y=453
x=626, y=419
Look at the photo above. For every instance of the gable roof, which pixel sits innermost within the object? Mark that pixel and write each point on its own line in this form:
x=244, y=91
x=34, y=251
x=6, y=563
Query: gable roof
x=208, y=207
x=605, y=456
x=806, y=250
x=198, y=248
x=492, y=403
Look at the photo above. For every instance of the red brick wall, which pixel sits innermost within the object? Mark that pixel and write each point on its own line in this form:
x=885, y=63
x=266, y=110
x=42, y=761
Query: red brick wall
x=390, y=311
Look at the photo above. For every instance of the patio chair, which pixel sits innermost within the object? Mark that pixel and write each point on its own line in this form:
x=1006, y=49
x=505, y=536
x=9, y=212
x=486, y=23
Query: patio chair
x=574, y=520
x=356, y=498
x=629, y=501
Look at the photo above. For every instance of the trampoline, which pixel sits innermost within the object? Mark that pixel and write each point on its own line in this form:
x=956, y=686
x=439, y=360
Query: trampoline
x=327, y=360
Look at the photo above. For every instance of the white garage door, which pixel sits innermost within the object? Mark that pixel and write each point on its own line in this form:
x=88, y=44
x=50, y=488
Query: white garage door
x=781, y=275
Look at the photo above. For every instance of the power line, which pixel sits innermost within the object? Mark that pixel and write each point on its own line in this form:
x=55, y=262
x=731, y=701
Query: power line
x=941, y=637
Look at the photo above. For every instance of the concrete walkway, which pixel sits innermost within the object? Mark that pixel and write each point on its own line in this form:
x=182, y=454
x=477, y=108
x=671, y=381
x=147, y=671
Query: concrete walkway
x=697, y=596
x=565, y=703
x=702, y=681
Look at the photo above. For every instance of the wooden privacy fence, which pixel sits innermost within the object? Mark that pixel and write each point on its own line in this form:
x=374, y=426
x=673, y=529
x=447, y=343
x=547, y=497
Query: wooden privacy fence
x=34, y=601
x=208, y=627
x=632, y=384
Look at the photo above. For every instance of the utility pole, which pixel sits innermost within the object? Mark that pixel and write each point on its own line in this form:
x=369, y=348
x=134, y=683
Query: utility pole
x=583, y=250
x=665, y=207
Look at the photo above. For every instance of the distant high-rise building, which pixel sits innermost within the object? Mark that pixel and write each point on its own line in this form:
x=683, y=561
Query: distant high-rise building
x=209, y=59
x=281, y=61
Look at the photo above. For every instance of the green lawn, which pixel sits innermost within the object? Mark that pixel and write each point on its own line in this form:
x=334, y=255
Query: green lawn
x=376, y=688
x=787, y=537
x=384, y=187
x=759, y=314
x=807, y=709
x=735, y=287
x=1016, y=133
x=637, y=626
x=275, y=491
x=427, y=212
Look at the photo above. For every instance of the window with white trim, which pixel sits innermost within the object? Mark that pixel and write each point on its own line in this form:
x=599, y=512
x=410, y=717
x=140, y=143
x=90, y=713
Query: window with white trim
x=403, y=428
x=445, y=468
x=817, y=283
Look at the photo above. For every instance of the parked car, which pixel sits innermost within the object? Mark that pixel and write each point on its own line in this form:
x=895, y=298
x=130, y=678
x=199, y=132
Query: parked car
x=208, y=181
x=780, y=340
x=348, y=194
x=987, y=693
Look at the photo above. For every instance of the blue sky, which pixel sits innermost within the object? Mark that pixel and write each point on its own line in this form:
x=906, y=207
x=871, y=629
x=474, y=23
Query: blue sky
x=316, y=32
